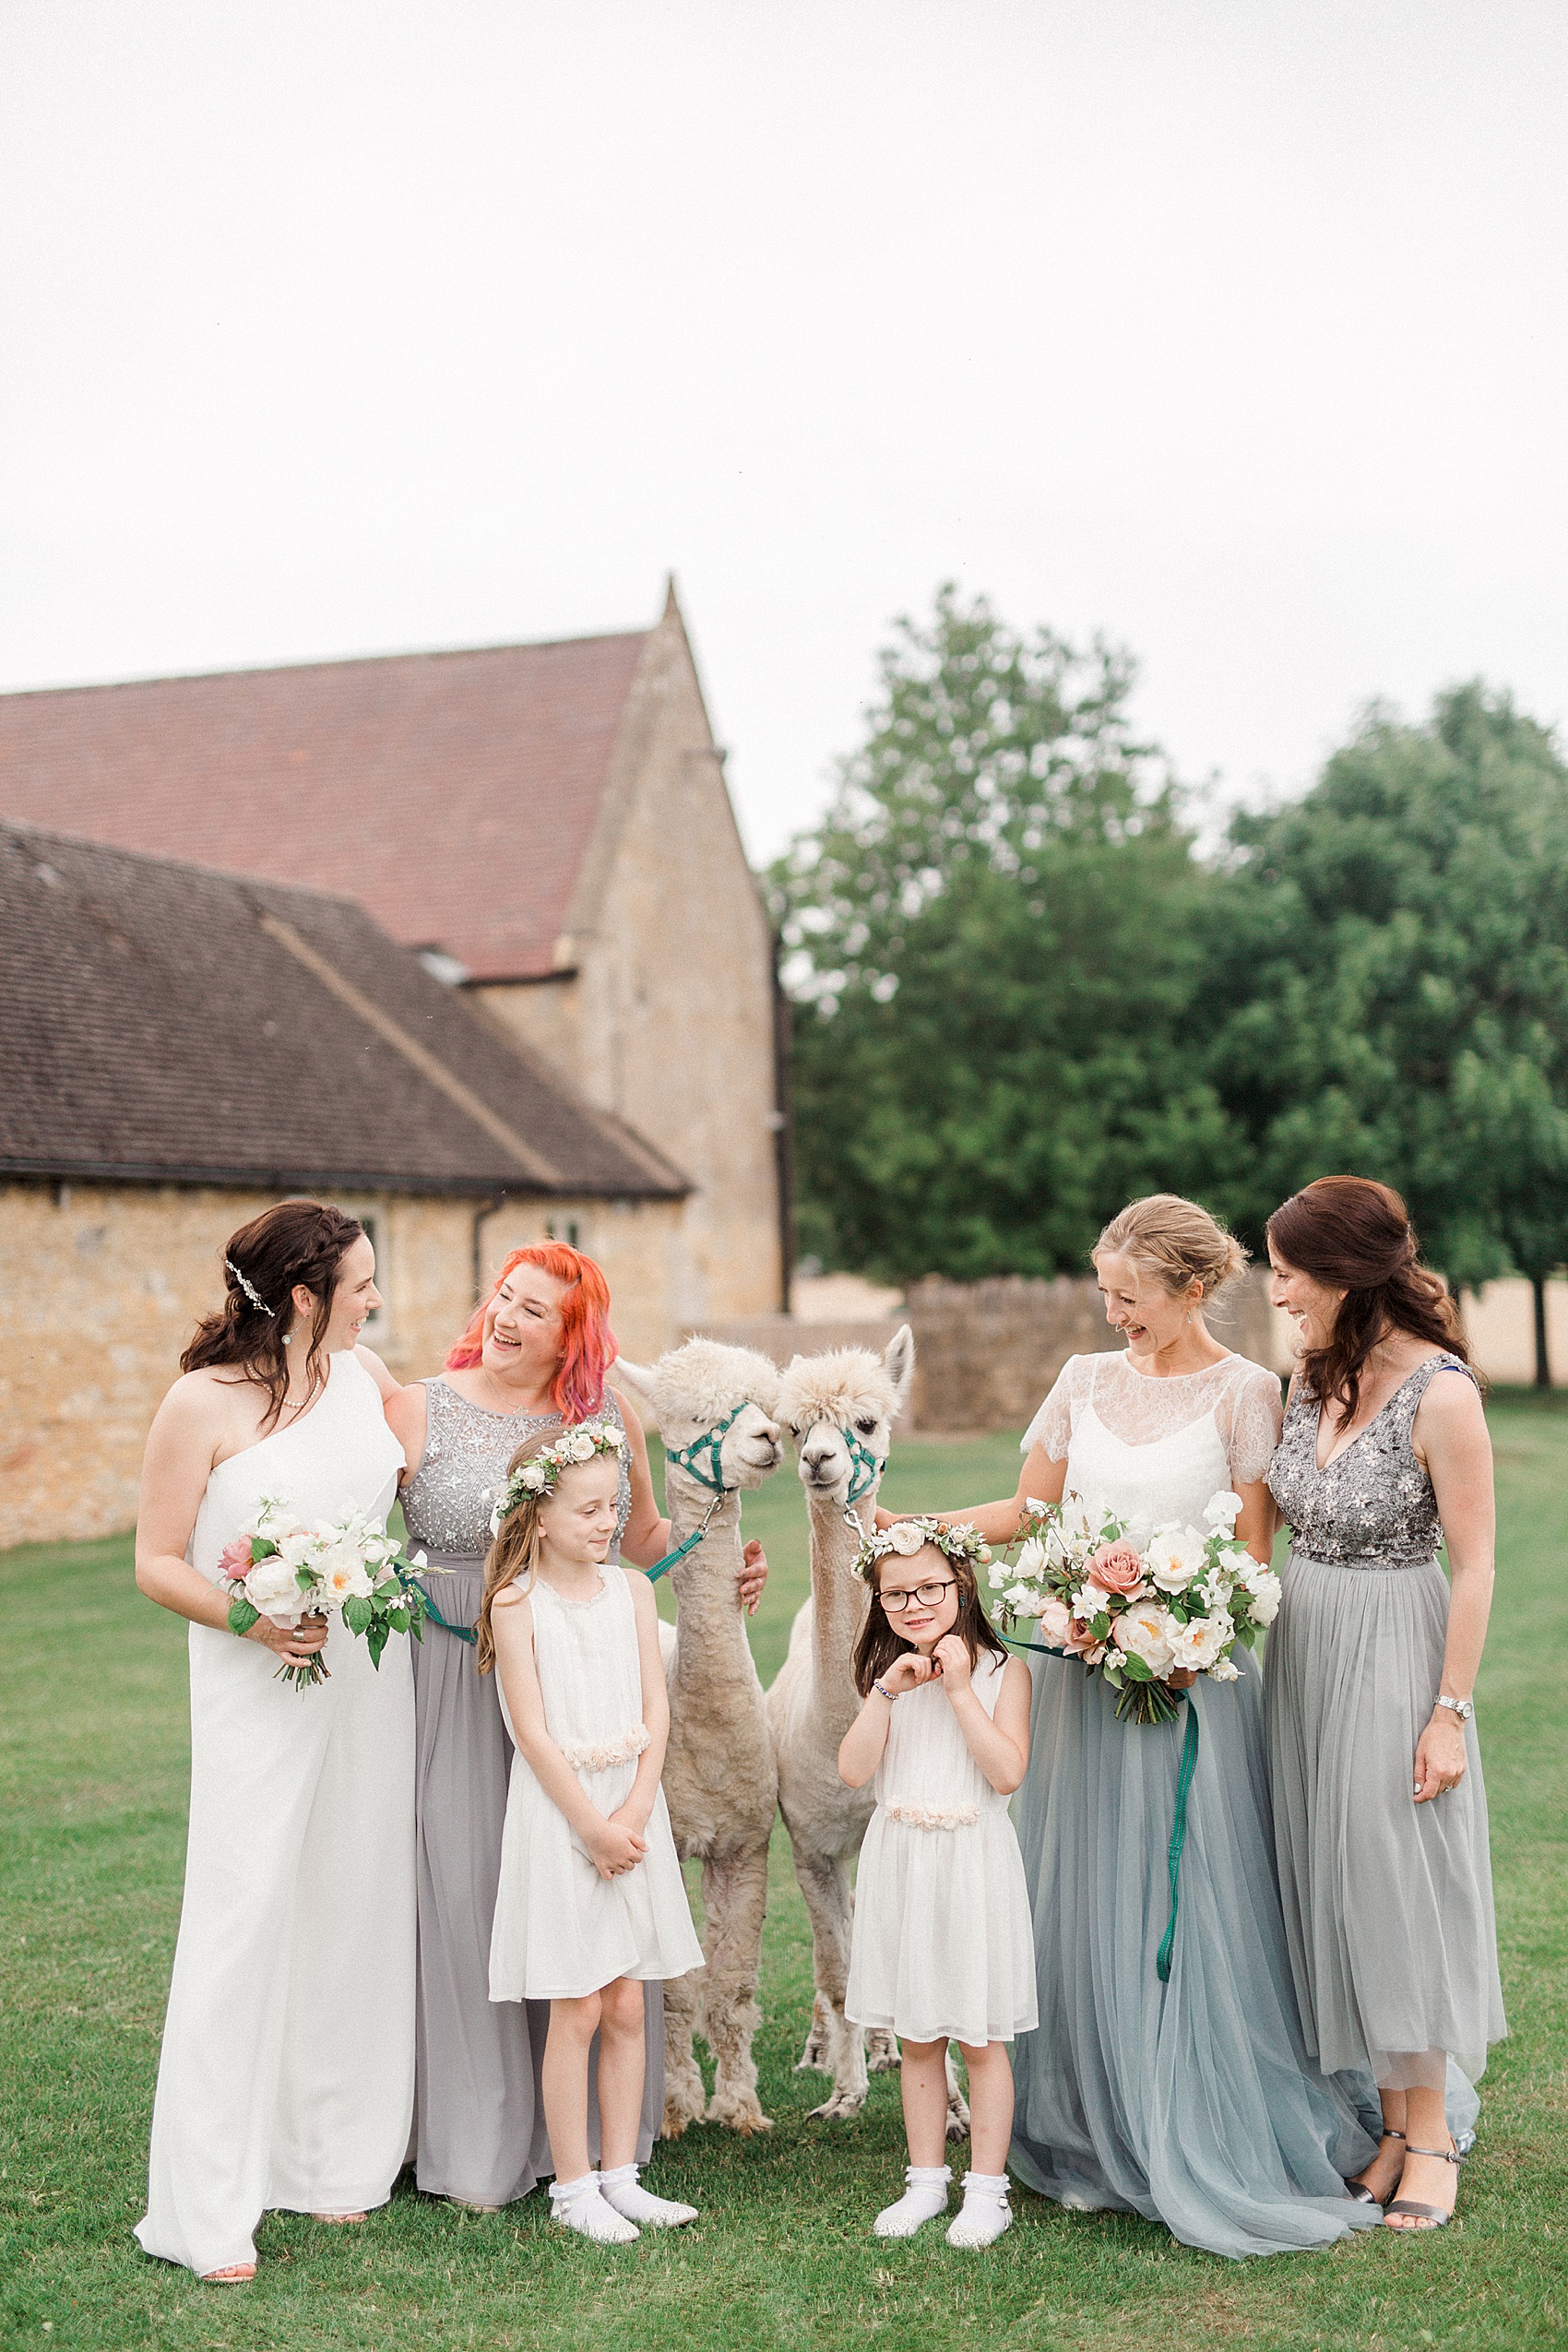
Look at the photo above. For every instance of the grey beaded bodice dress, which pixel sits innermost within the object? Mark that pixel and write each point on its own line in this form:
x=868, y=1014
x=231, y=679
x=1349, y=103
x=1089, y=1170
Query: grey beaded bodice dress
x=478, y=2111
x=1388, y=1907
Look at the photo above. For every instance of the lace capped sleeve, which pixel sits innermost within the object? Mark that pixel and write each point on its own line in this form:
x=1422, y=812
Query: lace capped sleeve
x=1256, y=1417
x=1053, y=1425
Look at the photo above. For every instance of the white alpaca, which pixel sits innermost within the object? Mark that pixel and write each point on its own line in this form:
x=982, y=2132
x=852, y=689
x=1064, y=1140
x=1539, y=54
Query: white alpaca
x=839, y=1408
x=716, y=1406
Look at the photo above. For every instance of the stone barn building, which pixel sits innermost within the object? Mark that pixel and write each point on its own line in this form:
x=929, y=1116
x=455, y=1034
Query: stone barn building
x=178, y=1048
x=548, y=826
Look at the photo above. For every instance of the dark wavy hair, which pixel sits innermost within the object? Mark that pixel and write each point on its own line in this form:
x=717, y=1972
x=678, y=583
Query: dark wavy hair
x=297, y=1242
x=880, y=1642
x=1356, y=1237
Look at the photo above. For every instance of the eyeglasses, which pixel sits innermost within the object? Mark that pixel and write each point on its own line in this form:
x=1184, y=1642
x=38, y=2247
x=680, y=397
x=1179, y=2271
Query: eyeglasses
x=927, y=1595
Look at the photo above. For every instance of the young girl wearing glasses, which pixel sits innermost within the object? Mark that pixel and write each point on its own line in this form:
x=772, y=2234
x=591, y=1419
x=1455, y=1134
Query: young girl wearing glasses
x=944, y=1944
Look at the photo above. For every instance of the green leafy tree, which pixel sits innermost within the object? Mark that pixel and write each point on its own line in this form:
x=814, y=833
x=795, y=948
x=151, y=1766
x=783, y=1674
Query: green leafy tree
x=1389, y=982
x=993, y=940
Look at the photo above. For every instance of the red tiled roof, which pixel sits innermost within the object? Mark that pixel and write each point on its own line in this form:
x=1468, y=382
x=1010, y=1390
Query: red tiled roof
x=452, y=794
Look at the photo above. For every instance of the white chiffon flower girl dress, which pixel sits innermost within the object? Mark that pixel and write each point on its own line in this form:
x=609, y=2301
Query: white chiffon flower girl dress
x=561, y=1930
x=943, y=1939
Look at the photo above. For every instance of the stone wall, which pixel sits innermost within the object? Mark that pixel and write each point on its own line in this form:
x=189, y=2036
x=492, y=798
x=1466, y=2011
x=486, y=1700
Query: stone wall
x=102, y=1287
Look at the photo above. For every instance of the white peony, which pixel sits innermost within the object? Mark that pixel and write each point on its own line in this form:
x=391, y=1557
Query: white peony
x=1222, y=1507
x=1144, y=1630
x=1198, y=1643
x=1175, y=1556
x=298, y=1547
x=270, y=1586
x=1265, y=1594
x=343, y=1576
x=1031, y=1557
x=906, y=1539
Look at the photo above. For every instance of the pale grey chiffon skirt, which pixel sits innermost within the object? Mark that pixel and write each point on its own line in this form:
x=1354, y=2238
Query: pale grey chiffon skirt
x=1387, y=1902
x=1194, y=2103
x=479, y=2113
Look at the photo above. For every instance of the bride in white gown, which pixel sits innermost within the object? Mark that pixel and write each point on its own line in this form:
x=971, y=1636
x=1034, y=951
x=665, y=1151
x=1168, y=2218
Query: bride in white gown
x=1191, y=2102
x=285, y=2078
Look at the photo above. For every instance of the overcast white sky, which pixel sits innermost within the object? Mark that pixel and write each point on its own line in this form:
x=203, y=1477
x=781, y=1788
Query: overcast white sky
x=1236, y=328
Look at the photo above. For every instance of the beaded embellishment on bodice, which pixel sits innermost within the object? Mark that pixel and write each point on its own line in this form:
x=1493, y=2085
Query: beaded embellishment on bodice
x=447, y=1502
x=1374, y=1504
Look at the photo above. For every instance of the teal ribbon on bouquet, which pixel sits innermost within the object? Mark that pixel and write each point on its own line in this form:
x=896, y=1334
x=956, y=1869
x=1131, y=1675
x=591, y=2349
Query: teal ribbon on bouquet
x=459, y=1633
x=1186, y=1766
x=1184, y=1771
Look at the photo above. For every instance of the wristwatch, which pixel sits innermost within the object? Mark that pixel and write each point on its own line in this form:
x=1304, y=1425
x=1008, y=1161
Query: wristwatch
x=1463, y=1708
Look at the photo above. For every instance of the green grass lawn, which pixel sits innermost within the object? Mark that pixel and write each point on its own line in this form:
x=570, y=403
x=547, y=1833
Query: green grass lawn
x=93, y=1740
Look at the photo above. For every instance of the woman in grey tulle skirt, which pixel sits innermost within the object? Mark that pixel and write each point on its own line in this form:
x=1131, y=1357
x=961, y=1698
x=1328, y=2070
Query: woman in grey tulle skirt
x=1193, y=2102
x=1378, y=1805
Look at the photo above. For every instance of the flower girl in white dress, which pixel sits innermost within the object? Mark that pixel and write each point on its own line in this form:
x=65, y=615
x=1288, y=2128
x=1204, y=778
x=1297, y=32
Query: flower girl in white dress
x=591, y=1901
x=944, y=1944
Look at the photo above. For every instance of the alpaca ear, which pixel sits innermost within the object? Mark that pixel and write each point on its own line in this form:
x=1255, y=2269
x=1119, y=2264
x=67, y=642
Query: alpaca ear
x=899, y=1362
x=639, y=1378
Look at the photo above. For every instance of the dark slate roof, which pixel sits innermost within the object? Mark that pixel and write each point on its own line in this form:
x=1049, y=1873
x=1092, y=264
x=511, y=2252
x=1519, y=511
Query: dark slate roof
x=454, y=794
x=161, y=1022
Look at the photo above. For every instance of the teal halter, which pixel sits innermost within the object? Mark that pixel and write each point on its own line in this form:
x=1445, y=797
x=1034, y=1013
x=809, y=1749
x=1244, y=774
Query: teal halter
x=866, y=1468
x=711, y=1444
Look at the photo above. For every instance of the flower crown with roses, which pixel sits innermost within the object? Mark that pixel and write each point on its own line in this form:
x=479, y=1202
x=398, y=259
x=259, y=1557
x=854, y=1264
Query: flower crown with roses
x=537, y=1477
x=906, y=1537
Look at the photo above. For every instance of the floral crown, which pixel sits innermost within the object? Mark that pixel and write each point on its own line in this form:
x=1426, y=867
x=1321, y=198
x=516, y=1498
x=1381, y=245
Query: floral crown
x=906, y=1537
x=537, y=1477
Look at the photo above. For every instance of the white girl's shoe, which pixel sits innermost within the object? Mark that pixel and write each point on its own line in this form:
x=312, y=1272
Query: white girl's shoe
x=623, y=2191
x=984, y=2213
x=925, y=2197
x=576, y=2204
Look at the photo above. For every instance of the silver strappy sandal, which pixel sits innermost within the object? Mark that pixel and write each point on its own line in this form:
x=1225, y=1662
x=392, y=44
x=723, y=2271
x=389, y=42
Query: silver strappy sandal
x=1428, y=2216
x=1358, y=2189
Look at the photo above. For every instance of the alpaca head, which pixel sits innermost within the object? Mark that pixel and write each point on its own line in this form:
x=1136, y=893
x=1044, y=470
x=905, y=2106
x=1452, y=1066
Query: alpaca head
x=848, y=1394
x=694, y=1388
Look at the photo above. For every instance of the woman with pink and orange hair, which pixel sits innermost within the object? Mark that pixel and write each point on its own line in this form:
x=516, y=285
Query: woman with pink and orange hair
x=536, y=1355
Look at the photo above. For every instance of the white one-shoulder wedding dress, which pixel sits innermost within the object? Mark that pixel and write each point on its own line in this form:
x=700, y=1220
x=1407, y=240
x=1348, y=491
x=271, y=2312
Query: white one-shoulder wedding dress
x=287, y=2074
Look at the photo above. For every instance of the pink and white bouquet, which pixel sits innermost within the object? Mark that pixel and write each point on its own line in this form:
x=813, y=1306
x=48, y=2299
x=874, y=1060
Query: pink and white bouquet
x=280, y=1568
x=1138, y=1612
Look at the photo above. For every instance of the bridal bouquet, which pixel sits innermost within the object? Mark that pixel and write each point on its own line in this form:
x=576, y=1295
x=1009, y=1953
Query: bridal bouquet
x=1138, y=1613
x=279, y=1567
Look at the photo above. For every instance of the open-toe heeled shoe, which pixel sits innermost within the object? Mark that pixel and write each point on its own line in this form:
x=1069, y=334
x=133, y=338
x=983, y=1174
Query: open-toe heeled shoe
x=1358, y=2189
x=1425, y=2216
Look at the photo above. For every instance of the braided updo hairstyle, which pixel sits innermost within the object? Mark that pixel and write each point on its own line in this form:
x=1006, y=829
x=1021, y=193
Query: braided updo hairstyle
x=1175, y=1241
x=1356, y=1236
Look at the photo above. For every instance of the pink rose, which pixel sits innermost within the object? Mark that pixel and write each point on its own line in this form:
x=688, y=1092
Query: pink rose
x=234, y=1559
x=1116, y=1568
x=1056, y=1624
x=1081, y=1642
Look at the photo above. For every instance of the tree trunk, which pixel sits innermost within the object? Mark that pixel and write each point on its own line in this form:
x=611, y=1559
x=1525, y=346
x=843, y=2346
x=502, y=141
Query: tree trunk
x=1543, y=1361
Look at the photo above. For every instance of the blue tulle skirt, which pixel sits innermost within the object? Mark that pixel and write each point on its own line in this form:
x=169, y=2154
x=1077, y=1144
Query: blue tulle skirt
x=1193, y=2102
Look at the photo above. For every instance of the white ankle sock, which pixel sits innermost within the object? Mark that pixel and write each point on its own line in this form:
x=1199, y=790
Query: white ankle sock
x=925, y=2197
x=984, y=2213
x=576, y=2204
x=624, y=2191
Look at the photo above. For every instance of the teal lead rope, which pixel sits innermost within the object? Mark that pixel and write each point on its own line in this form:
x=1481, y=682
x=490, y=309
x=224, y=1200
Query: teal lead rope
x=674, y=1559
x=1185, y=1768
x=1184, y=1771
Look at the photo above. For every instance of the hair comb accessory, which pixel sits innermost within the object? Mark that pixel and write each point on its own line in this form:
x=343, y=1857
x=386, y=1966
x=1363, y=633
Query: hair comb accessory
x=251, y=1293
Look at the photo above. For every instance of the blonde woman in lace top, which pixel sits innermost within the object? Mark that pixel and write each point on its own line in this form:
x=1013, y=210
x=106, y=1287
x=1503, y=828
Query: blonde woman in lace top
x=1192, y=2102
